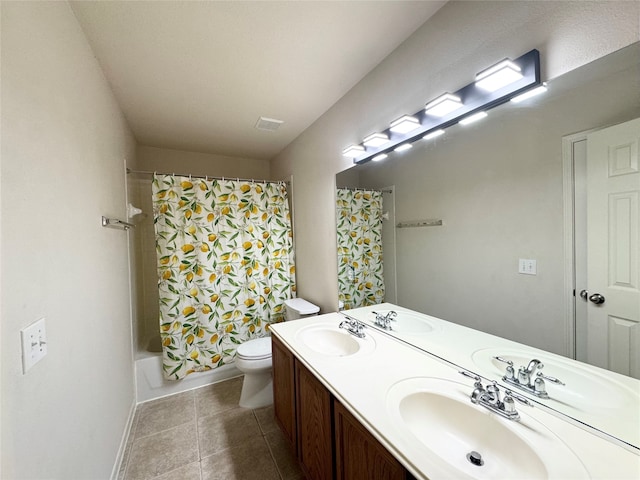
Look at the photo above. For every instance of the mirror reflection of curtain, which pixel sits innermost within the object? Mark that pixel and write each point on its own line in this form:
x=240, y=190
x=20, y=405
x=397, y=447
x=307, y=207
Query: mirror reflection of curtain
x=360, y=265
x=225, y=267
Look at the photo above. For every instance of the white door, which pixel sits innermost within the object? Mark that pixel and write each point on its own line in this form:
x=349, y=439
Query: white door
x=613, y=223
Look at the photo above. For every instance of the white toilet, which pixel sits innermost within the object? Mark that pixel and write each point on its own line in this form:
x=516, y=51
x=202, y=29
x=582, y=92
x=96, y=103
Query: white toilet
x=253, y=358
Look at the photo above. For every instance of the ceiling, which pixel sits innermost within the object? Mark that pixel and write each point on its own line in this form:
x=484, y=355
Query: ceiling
x=198, y=75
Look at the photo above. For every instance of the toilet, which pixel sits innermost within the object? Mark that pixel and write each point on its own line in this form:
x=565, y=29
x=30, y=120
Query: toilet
x=253, y=358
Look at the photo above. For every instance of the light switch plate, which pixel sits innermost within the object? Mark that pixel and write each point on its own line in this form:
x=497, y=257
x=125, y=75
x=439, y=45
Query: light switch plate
x=527, y=266
x=34, y=344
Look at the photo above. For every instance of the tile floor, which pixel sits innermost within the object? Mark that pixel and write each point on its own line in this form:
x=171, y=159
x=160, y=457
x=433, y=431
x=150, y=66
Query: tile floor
x=204, y=435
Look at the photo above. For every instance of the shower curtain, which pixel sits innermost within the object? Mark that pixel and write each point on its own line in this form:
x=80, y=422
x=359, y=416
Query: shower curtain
x=225, y=267
x=360, y=265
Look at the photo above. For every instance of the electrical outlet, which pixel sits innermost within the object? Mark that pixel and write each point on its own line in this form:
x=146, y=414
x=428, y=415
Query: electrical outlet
x=527, y=267
x=34, y=344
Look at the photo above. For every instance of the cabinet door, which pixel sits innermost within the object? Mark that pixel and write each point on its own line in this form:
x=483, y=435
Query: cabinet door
x=314, y=425
x=359, y=456
x=284, y=394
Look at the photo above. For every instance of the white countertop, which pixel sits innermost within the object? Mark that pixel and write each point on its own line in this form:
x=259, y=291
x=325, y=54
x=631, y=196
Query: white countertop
x=362, y=382
x=588, y=396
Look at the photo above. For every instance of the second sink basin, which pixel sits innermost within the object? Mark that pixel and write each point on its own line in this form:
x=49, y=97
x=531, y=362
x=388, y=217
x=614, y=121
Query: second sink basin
x=440, y=416
x=332, y=341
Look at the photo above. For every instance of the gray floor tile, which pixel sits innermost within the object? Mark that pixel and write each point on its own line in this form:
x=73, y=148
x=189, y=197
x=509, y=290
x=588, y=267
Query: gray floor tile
x=188, y=472
x=249, y=461
x=266, y=419
x=218, y=397
x=165, y=413
x=162, y=452
x=284, y=457
x=227, y=429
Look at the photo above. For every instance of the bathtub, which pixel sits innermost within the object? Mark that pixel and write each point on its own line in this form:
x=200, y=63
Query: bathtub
x=150, y=383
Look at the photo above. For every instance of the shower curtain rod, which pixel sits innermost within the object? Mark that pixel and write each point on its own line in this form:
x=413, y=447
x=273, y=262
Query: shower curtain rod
x=206, y=177
x=363, y=189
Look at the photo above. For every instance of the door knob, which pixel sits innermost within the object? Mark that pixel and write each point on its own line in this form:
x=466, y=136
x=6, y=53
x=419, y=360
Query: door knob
x=584, y=294
x=596, y=298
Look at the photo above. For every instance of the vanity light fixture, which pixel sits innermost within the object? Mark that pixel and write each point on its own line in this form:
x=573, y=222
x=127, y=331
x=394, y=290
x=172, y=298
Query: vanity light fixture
x=376, y=140
x=492, y=87
x=405, y=124
x=500, y=75
x=473, y=118
x=353, y=151
x=530, y=93
x=443, y=105
x=379, y=157
x=434, y=134
x=403, y=147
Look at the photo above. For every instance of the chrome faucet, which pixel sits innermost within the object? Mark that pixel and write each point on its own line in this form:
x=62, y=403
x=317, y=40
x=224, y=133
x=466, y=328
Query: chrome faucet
x=384, y=321
x=352, y=325
x=489, y=398
x=526, y=380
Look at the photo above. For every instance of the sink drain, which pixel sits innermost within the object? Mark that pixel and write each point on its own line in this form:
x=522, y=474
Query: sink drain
x=475, y=458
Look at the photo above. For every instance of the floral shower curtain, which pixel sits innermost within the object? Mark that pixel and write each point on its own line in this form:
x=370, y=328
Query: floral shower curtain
x=360, y=266
x=225, y=267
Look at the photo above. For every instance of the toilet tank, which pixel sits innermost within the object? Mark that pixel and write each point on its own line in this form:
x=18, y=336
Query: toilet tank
x=299, y=308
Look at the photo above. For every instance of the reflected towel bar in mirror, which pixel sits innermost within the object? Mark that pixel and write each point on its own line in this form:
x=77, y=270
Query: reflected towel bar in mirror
x=420, y=223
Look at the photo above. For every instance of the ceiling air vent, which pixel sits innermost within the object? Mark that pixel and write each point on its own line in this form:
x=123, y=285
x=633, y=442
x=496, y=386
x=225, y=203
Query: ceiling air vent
x=269, y=124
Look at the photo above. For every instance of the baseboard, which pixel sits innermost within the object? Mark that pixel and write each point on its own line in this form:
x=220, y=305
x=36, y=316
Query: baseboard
x=123, y=443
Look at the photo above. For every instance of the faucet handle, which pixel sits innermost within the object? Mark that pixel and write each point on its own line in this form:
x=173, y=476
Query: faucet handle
x=510, y=372
x=550, y=379
x=504, y=360
x=470, y=375
x=473, y=376
x=520, y=398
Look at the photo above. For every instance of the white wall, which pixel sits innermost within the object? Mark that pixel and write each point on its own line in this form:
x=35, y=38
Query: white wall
x=444, y=54
x=64, y=141
x=166, y=160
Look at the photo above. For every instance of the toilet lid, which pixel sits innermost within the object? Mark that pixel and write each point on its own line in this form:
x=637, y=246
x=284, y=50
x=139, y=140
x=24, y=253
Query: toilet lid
x=256, y=349
x=302, y=306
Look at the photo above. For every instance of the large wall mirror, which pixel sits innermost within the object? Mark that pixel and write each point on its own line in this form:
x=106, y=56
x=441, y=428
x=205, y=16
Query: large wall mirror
x=500, y=188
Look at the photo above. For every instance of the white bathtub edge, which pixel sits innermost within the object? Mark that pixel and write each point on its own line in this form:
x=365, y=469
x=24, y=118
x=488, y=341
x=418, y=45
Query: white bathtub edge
x=151, y=385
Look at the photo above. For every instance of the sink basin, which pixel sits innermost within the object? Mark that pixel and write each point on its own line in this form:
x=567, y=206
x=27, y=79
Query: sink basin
x=333, y=342
x=408, y=323
x=585, y=389
x=438, y=414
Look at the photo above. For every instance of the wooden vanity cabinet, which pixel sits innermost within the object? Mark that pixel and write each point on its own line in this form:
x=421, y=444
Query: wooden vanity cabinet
x=314, y=421
x=284, y=393
x=329, y=442
x=359, y=455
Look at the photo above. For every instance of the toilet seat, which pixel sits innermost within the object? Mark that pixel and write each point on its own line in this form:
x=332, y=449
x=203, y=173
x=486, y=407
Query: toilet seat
x=256, y=349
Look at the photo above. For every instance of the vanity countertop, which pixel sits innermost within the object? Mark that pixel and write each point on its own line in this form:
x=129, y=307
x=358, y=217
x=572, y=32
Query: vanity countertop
x=588, y=396
x=365, y=382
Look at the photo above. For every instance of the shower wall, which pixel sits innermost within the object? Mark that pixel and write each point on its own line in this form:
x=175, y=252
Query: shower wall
x=145, y=296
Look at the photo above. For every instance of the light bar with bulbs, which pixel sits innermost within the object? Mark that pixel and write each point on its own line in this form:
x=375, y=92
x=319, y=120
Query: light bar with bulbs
x=375, y=140
x=353, y=151
x=443, y=105
x=473, y=118
x=498, y=76
x=405, y=124
x=494, y=86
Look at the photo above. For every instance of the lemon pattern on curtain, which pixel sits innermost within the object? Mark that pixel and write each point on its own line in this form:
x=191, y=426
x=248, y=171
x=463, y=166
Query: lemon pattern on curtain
x=225, y=267
x=360, y=265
